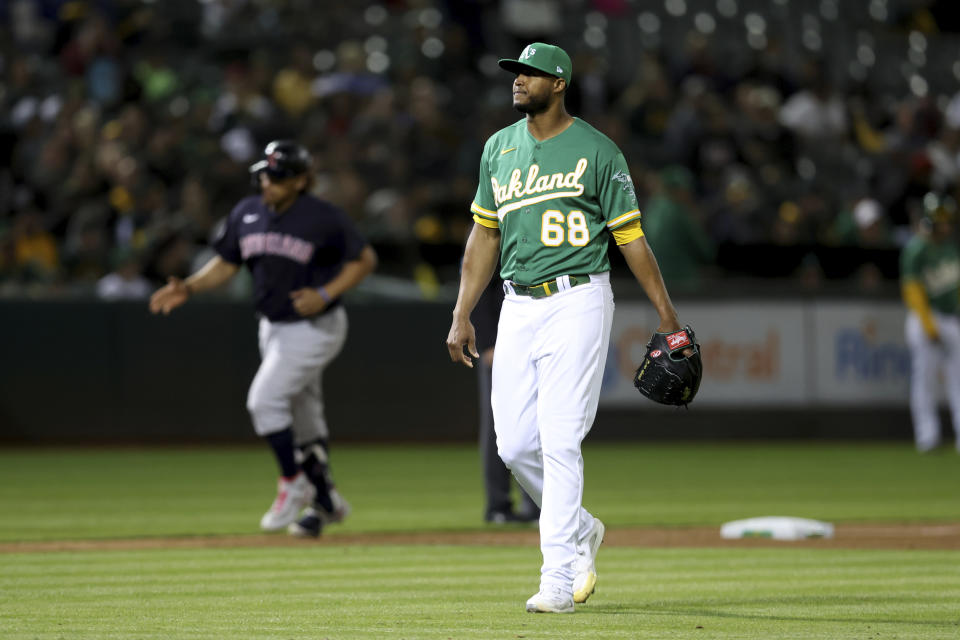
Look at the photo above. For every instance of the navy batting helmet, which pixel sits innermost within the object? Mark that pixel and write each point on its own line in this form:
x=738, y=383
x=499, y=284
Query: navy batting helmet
x=282, y=159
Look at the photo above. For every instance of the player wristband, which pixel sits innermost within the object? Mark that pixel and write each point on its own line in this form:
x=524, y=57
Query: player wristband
x=323, y=294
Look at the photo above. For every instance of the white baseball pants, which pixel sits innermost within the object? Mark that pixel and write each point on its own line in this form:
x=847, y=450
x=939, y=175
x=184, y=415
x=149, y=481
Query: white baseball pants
x=286, y=390
x=927, y=360
x=547, y=371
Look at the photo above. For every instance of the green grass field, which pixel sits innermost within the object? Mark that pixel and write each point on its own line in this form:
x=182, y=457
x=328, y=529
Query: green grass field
x=339, y=591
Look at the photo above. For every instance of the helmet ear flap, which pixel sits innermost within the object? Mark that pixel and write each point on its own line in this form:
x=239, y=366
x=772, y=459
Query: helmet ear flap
x=255, y=170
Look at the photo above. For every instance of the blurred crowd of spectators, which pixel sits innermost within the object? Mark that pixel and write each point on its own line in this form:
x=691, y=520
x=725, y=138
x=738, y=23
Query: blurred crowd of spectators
x=126, y=127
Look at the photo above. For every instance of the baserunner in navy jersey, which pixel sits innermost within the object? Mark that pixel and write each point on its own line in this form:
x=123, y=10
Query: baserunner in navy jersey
x=303, y=254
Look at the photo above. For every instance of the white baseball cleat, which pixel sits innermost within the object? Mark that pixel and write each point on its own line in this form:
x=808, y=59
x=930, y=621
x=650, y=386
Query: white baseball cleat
x=292, y=497
x=550, y=600
x=585, y=582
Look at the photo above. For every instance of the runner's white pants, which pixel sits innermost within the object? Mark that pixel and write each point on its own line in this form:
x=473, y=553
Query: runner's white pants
x=927, y=360
x=547, y=371
x=287, y=388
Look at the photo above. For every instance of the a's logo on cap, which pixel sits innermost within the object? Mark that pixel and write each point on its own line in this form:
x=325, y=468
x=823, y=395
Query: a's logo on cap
x=528, y=52
x=559, y=69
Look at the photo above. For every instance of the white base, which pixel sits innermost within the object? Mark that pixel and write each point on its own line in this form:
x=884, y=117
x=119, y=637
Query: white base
x=777, y=528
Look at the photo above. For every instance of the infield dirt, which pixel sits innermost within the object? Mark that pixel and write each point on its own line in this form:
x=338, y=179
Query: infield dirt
x=941, y=536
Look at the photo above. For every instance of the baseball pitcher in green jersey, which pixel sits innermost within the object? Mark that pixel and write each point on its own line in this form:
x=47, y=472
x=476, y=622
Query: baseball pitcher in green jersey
x=552, y=190
x=930, y=281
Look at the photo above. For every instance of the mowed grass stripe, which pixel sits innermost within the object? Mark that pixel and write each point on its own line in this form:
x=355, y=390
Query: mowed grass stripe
x=476, y=592
x=127, y=493
x=353, y=568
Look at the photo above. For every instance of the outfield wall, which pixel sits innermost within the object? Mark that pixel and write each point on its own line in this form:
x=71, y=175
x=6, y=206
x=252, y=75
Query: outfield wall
x=766, y=354
x=73, y=371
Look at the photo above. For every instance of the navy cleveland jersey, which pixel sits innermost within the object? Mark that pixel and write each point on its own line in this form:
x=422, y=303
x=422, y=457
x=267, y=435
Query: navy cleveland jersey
x=305, y=246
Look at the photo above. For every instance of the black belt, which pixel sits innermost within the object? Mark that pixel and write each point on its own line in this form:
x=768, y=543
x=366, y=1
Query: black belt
x=544, y=289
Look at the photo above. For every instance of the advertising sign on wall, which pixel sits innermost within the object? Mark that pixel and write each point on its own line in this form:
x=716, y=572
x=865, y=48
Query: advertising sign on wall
x=861, y=354
x=753, y=354
x=790, y=354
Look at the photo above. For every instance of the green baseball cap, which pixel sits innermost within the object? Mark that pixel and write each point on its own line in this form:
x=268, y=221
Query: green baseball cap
x=543, y=57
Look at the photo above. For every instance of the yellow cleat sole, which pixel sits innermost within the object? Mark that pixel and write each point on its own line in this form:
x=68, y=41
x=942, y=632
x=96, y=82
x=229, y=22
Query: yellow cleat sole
x=589, y=587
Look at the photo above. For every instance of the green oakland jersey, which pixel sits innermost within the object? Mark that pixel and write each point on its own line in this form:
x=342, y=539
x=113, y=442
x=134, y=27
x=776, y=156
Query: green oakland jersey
x=937, y=268
x=555, y=201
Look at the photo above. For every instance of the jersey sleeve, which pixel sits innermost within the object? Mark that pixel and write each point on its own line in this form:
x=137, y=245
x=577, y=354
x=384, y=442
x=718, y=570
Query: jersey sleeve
x=226, y=240
x=911, y=262
x=484, y=207
x=615, y=190
x=353, y=240
x=627, y=233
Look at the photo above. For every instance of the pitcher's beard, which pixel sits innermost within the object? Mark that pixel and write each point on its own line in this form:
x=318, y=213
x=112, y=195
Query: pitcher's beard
x=532, y=106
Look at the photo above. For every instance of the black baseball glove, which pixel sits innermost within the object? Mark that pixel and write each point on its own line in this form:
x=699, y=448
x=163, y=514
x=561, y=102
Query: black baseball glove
x=666, y=375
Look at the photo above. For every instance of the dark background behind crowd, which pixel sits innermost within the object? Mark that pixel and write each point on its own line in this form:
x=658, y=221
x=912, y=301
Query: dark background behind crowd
x=770, y=141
